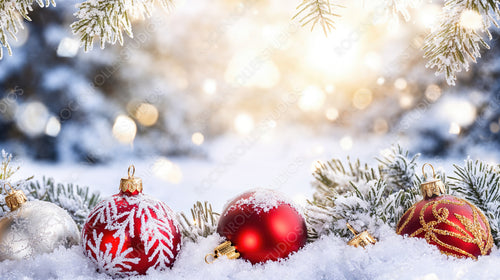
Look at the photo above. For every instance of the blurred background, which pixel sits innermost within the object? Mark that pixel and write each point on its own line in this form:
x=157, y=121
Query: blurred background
x=210, y=79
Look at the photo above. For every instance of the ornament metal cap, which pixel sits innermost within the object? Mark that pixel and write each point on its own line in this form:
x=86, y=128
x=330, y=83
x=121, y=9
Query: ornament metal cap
x=131, y=185
x=226, y=249
x=433, y=187
x=360, y=239
x=15, y=198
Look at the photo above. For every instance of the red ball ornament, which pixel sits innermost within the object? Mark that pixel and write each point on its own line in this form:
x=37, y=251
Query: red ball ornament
x=130, y=232
x=454, y=225
x=262, y=226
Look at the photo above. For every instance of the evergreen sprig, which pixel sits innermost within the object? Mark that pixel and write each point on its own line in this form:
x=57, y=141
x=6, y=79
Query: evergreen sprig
x=364, y=196
x=107, y=19
x=317, y=11
x=76, y=200
x=11, y=14
x=452, y=46
x=479, y=183
x=203, y=221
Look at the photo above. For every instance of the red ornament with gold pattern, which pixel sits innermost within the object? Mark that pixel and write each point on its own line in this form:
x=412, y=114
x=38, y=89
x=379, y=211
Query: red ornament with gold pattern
x=130, y=232
x=457, y=227
x=259, y=226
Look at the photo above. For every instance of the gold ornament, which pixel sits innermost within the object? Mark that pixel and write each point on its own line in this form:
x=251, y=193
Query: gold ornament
x=131, y=184
x=360, y=239
x=34, y=227
x=224, y=249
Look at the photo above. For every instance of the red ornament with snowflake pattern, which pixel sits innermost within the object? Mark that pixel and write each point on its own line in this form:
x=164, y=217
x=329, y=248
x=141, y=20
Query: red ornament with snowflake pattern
x=457, y=227
x=263, y=226
x=130, y=232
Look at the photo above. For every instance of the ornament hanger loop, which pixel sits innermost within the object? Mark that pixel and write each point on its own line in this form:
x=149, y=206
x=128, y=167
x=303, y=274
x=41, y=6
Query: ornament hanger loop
x=355, y=232
x=210, y=258
x=131, y=167
x=10, y=186
x=423, y=170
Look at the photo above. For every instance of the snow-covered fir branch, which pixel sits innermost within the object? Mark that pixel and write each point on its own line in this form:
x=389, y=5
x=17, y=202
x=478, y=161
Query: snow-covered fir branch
x=479, y=183
x=203, y=221
x=317, y=11
x=400, y=7
x=107, y=19
x=12, y=13
x=364, y=196
x=458, y=38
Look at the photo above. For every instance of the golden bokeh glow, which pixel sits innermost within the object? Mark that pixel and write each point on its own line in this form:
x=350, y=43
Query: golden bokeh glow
x=197, y=138
x=332, y=114
x=461, y=112
x=454, y=128
x=147, y=114
x=400, y=84
x=433, y=92
x=311, y=99
x=209, y=86
x=124, y=129
x=167, y=170
x=244, y=123
x=362, y=98
x=471, y=20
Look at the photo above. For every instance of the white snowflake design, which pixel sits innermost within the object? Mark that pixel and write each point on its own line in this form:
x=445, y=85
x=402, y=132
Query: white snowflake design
x=156, y=233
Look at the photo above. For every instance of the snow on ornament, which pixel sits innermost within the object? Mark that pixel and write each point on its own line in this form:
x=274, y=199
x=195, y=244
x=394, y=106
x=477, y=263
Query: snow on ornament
x=34, y=227
x=259, y=226
x=457, y=227
x=130, y=232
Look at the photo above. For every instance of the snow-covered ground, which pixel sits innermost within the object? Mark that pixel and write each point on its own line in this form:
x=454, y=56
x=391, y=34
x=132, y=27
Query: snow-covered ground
x=233, y=165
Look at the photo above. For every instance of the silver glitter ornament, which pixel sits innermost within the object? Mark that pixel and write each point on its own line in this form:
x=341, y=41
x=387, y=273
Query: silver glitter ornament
x=34, y=227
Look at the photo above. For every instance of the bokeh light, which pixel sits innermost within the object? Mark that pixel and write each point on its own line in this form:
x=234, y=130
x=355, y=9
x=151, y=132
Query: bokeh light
x=124, y=129
x=209, y=86
x=332, y=114
x=362, y=98
x=146, y=114
x=400, y=83
x=459, y=111
x=311, y=99
x=68, y=47
x=346, y=143
x=167, y=170
x=243, y=123
x=32, y=117
x=433, y=92
x=454, y=128
x=197, y=138
x=471, y=20
x=53, y=127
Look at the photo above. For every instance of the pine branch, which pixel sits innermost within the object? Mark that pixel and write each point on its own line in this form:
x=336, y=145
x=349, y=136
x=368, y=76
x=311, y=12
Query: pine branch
x=73, y=198
x=362, y=195
x=107, y=19
x=479, y=183
x=317, y=11
x=11, y=12
x=202, y=224
x=400, y=7
x=452, y=46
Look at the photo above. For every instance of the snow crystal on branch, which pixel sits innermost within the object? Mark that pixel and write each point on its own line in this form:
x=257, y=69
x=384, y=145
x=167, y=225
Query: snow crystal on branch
x=453, y=45
x=107, y=19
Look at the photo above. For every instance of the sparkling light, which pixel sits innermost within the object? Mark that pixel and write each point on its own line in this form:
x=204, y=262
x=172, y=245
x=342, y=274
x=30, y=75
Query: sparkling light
x=167, y=170
x=405, y=101
x=373, y=61
x=459, y=111
x=312, y=99
x=494, y=127
x=244, y=123
x=249, y=69
x=146, y=114
x=32, y=118
x=332, y=114
x=124, y=129
x=400, y=84
x=53, y=127
x=209, y=86
x=454, y=128
x=346, y=143
x=428, y=15
x=330, y=89
x=380, y=81
x=471, y=20
x=68, y=47
x=433, y=92
x=380, y=126
x=362, y=98
x=197, y=138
